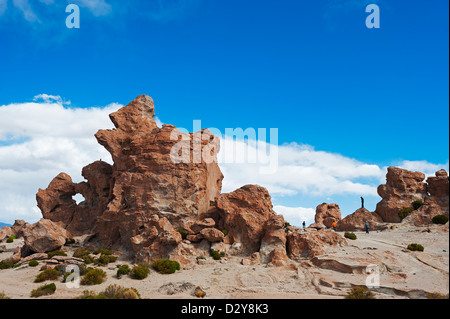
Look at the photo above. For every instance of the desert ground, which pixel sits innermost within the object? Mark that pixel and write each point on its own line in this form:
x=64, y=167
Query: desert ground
x=402, y=273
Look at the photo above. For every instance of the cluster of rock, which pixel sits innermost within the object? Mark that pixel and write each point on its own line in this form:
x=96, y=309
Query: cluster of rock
x=402, y=188
x=154, y=202
x=157, y=203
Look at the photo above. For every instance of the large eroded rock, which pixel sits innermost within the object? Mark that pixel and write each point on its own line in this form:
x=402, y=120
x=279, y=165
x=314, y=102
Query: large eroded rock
x=44, y=236
x=403, y=187
x=327, y=214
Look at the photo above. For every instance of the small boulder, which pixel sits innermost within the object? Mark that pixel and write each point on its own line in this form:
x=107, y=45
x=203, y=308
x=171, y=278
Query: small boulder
x=212, y=234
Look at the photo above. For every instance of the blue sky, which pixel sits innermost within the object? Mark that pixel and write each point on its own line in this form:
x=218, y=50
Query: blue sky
x=309, y=68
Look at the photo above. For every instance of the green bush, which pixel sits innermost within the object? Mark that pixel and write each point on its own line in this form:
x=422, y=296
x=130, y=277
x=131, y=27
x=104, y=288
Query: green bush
x=123, y=270
x=118, y=292
x=440, y=219
x=33, y=263
x=183, y=233
x=10, y=240
x=104, y=260
x=349, y=235
x=287, y=226
x=139, y=272
x=83, y=254
x=225, y=232
x=415, y=247
x=3, y=296
x=6, y=264
x=47, y=274
x=56, y=253
x=417, y=204
x=44, y=290
x=13, y=237
x=166, y=266
x=112, y=292
x=404, y=212
x=106, y=252
x=360, y=292
x=216, y=255
x=94, y=276
x=437, y=295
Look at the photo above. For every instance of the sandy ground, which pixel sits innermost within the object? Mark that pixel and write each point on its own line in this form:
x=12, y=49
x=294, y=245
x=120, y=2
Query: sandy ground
x=399, y=273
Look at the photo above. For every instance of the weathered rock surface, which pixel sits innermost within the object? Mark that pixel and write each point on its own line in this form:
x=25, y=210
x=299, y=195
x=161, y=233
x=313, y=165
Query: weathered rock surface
x=327, y=214
x=44, y=236
x=357, y=220
x=212, y=234
x=404, y=187
x=5, y=232
x=244, y=214
x=18, y=226
x=310, y=243
x=274, y=239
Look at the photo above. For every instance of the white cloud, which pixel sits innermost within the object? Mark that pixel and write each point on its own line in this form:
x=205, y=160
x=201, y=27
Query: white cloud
x=299, y=169
x=96, y=7
x=296, y=215
x=40, y=140
x=25, y=8
x=50, y=99
x=423, y=166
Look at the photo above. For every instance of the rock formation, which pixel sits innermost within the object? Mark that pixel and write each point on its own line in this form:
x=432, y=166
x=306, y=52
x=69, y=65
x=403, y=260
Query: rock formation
x=44, y=236
x=310, y=243
x=327, y=214
x=403, y=187
x=5, y=232
x=162, y=199
x=163, y=183
x=357, y=220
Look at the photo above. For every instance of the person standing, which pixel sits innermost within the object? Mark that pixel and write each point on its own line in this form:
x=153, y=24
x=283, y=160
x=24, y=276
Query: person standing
x=304, y=225
x=334, y=226
x=367, y=225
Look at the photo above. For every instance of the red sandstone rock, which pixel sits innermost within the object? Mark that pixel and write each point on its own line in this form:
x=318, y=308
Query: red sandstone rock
x=327, y=214
x=44, y=236
x=212, y=235
x=311, y=243
x=274, y=237
x=278, y=257
x=403, y=187
x=438, y=188
x=244, y=213
x=18, y=226
x=357, y=220
x=5, y=232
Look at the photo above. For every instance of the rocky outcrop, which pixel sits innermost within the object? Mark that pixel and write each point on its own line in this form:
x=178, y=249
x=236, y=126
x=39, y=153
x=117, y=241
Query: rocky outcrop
x=311, y=243
x=162, y=180
x=17, y=228
x=403, y=187
x=57, y=203
x=327, y=214
x=244, y=214
x=5, y=232
x=438, y=190
x=274, y=239
x=357, y=220
x=44, y=236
